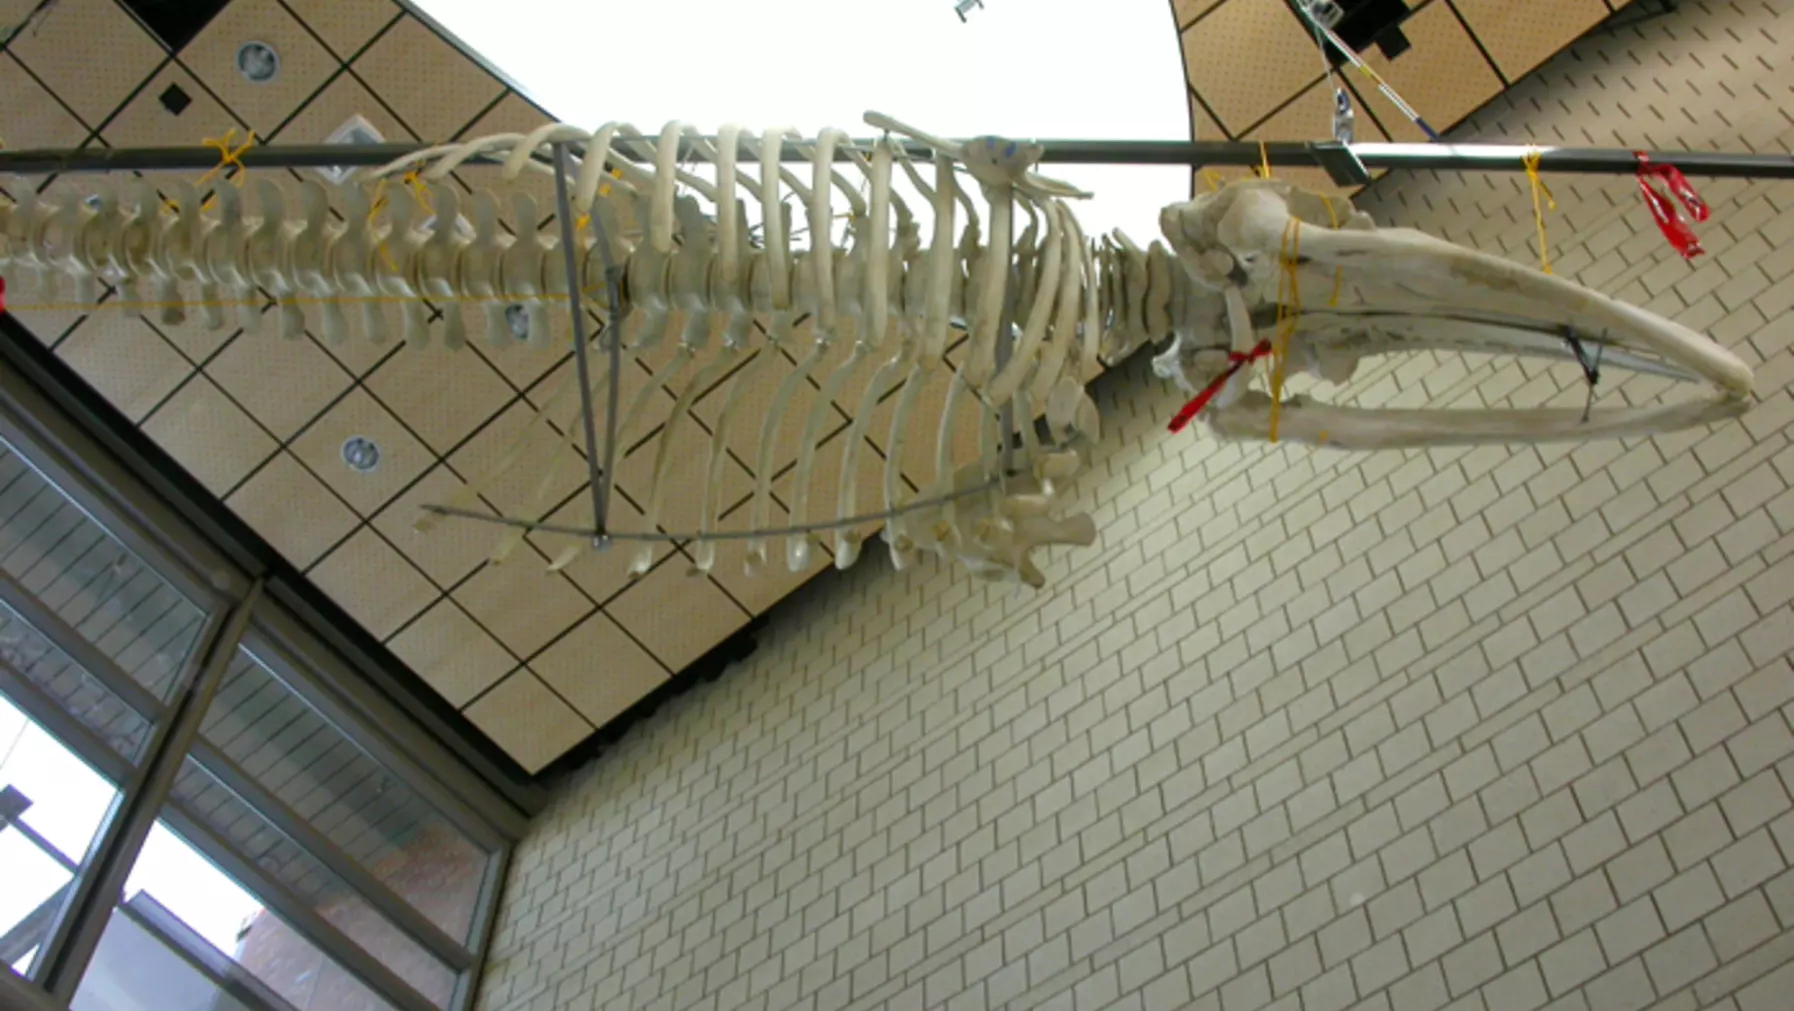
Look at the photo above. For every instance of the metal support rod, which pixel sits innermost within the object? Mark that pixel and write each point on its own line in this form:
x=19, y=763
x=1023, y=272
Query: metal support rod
x=109, y=860
x=714, y=535
x=1195, y=154
x=1006, y=349
x=570, y=251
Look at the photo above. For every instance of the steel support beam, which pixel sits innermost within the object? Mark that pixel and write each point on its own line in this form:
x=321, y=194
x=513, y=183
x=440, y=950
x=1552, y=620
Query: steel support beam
x=1194, y=154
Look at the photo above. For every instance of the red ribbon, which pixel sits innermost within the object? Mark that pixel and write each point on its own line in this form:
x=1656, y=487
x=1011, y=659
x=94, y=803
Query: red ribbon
x=1200, y=401
x=1669, y=220
x=2, y=294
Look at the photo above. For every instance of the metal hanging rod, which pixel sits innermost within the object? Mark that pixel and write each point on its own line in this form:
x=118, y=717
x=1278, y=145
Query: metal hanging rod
x=1346, y=164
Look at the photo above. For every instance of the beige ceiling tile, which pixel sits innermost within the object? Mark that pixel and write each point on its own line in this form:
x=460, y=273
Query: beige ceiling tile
x=443, y=395
x=1186, y=11
x=1205, y=127
x=293, y=510
x=525, y=364
x=684, y=477
x=1310, y=117
x=128, y=364
x=91, y=54
x=210, y=436
x=1242, y=91
x=1521, y=34
x=766, y=587
x=566, y=414
x=31, y=117
x=521, y=602
x=358, y=354
x=762, y=386
x=452, y=653
x=345, y=27
x=678, y=616
x=528, y=721
x=369, y=579
x=512, y=114
x=924, y=432
x=402, y=457
x=436, y=89
x=520, y=489
x=451, y=549
x=599, y=669
x=283, y=382
x=342, y=99
x=304, y=64
x=1443, y=76
x=147, y=121
x=600, y=573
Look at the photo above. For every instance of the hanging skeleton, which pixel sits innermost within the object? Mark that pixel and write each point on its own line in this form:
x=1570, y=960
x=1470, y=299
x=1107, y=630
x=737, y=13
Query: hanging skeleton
x=682, y=242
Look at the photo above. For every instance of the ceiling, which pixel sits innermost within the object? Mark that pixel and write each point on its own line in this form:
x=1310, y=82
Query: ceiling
x=536, y=660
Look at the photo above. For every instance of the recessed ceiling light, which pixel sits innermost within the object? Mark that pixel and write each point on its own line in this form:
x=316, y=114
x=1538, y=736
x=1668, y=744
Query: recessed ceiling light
x=362, y=454
x=258, y=62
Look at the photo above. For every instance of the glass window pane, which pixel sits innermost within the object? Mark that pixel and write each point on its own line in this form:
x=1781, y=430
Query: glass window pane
x=52, y=805
x=186, y=928
x=26, y=654
x=368, y=812
x=107, y=594
x=199, y=795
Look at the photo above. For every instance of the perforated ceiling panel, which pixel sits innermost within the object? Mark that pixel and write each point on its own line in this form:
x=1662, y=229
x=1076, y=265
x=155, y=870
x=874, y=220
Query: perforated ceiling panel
x=537, y=660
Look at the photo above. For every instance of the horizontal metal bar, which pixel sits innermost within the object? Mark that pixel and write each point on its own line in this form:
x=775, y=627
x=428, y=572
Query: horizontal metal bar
x=1195, y=154
x=299, y=915
x=307, y=837
x=79, y=649
x=342, y=690
x=46, y=712
x=714, y=535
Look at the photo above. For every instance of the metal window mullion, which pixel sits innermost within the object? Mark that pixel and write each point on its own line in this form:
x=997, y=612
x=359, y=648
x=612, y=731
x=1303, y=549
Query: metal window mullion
x=289, y=823
x=485, y=921
x=80, y=649
x=62, y=725
x=251, y=992
x=298, y=914
x=110, y=857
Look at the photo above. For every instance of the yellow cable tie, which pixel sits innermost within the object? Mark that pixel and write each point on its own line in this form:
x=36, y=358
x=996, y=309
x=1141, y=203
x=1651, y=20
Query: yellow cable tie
x=1264, y=160
x=227, y=157
x=1214, y=180
x=1541, y=198
x=1288, y=315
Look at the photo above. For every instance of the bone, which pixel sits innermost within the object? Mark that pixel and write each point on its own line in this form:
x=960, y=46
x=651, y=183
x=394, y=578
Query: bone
x=1210, y=292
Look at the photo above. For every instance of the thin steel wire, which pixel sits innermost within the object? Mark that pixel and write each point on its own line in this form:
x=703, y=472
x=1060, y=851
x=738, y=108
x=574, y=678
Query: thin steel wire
x=716, y=535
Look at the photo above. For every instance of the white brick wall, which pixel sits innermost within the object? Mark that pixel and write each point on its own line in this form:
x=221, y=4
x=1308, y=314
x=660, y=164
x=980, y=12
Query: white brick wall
x=1494, y=729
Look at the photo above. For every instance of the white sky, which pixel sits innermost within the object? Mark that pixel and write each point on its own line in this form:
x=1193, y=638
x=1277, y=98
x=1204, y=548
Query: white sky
x=1074, y=69
x=69, y=800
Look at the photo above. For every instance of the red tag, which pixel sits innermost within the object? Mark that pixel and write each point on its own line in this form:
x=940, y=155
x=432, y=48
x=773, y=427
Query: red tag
x=1190, y=410
x=2, y=294
x=1663, y=210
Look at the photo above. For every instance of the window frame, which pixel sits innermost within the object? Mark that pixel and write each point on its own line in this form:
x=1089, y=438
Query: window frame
x=246, y=607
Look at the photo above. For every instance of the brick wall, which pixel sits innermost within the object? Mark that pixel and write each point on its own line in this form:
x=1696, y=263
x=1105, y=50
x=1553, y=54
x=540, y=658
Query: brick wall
x=1492, y=729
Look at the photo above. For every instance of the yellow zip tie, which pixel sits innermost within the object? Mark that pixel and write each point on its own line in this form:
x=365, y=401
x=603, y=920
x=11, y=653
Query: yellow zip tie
x=1539, y=189
x=1264, y=159
x=226, y=158
x=1214, y=180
